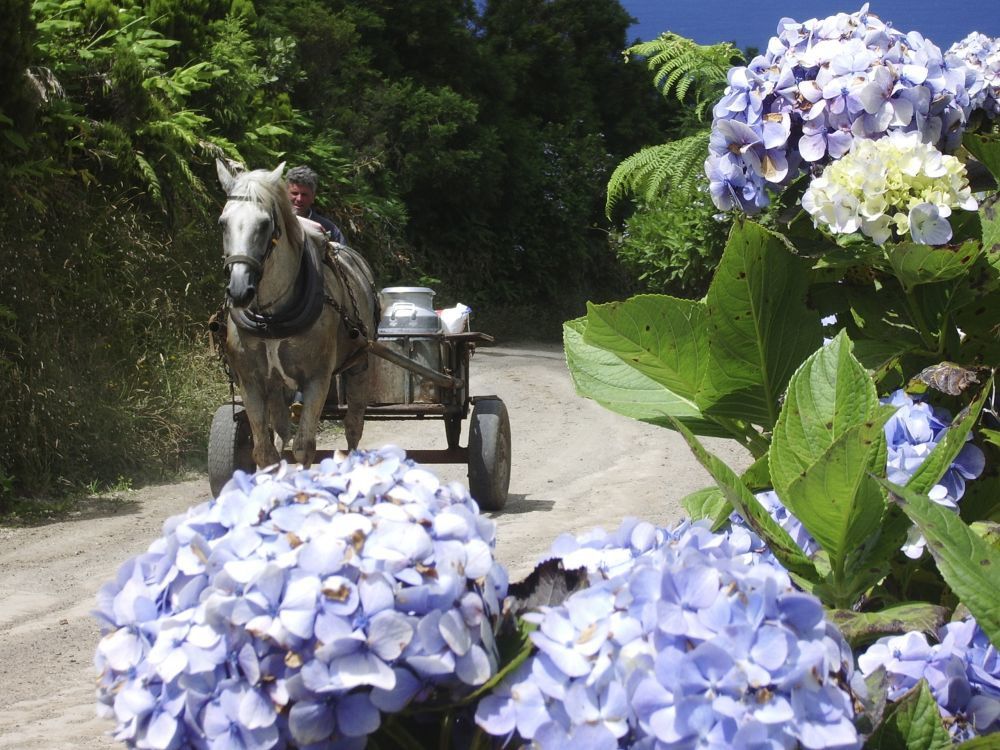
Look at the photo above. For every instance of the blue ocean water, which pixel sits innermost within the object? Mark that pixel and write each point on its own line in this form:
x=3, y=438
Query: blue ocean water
x=752, y=23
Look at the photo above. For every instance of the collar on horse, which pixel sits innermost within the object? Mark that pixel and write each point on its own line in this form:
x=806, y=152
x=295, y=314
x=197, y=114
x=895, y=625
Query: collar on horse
x=301, y=310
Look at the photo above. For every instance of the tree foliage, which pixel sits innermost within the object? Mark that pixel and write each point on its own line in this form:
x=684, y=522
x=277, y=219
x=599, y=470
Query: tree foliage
x=459, y=144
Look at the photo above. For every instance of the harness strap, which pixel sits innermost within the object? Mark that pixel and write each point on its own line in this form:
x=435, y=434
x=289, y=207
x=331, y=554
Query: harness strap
x=333, y=259
x=241, y=258
x=302, y=311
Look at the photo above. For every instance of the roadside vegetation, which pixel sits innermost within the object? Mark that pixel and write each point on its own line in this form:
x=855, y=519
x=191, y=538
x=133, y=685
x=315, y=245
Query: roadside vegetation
x=461, y=149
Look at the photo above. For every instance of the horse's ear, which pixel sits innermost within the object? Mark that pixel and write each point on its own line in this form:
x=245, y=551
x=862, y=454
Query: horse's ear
x=278, y=172
x=226, y=176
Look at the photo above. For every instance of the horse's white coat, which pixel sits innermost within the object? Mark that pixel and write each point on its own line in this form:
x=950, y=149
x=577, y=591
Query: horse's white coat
x=260, y=363
x=274, y=363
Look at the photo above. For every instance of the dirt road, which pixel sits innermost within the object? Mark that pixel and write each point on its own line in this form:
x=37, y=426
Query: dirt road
x=574, y=466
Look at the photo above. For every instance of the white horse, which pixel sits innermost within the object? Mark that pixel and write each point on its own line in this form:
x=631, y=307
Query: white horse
x=299, y=310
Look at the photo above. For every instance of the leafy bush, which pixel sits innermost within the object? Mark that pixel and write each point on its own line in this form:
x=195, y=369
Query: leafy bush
x=674, y=244
x=877, y=270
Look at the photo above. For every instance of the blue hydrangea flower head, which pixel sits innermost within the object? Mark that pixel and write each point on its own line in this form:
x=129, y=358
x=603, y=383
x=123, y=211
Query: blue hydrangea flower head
x=962, y=671
x=981, y=54
x=687, y=638
x=298, y=606
x=911, y=433
x=821, y=84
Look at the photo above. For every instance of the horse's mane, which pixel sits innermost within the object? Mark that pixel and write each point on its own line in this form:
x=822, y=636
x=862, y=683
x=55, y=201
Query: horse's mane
x=263, y=188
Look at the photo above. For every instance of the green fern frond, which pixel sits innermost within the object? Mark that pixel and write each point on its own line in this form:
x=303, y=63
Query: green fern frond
x=682, y=67
x=149, y=177
x=677, y=164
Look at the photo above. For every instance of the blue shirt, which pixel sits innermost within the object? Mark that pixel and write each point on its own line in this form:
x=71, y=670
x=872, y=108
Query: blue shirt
x=328, y=226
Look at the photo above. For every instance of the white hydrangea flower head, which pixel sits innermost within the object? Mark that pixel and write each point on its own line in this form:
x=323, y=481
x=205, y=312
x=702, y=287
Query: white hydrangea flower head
x=888, y=188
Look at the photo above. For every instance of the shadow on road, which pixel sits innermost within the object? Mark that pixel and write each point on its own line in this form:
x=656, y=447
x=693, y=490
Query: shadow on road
x=522, y=504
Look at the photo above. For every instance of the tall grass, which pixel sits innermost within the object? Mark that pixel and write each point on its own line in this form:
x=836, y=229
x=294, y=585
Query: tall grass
x=107, y=371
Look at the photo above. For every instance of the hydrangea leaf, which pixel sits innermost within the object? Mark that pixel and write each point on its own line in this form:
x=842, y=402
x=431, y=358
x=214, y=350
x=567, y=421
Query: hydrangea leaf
x=827, y=439
x=515, y=646
x=760, y=329
x=981, y=501
x=915, y=264
x=989, y=531
x=603, y=376
x=744, y=502
x=968, y=564
x=662, y=337
x=978, y=299
x=873, y=312
x=912, y=723
x=829, y=394
x=881, y=357
x=989, y=215
x=757, y=476
x=983, y=742
x=548, y=585
x=874, y=700
x=860, y=628
x=986, y=149
x=710, y=503
x=946, y=450
x=837, y=500
x=967, y=225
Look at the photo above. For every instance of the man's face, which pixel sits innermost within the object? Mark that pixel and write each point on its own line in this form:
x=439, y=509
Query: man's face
x=302, y=198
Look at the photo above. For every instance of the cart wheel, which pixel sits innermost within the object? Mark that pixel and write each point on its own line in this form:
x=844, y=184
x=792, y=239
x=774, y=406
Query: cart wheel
x=489, y=454
x=453, y=430
x=230, y=446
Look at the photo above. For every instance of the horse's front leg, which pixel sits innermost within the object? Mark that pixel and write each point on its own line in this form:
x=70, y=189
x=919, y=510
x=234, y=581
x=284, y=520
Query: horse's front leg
x=278, y=417
x=313, y=400
x=264, y=452
x=356, y=396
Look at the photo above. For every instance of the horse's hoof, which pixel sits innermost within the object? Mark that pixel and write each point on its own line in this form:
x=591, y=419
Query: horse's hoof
x=268, y=459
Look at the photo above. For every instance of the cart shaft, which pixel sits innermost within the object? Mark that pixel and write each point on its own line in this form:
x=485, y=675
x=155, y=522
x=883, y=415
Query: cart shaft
x=438, y=378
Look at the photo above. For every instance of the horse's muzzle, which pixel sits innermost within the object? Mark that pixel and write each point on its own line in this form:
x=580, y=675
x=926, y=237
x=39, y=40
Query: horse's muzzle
x=242, y=286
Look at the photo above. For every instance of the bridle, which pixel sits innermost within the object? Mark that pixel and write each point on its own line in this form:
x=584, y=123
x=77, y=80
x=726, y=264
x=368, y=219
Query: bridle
x=257, y=265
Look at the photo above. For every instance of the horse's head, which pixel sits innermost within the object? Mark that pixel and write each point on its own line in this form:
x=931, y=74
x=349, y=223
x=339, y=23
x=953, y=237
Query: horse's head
x=251, y=224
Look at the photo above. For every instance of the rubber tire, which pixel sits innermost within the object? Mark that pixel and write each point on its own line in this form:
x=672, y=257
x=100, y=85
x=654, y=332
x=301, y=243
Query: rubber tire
x=230, y=446
x=489, y=454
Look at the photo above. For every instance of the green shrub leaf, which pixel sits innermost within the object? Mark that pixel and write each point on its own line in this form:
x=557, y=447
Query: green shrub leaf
x=922, y=264
x=860, y=628
x=743, y=501
x=912, y=723
x=604, y=377
x=968, y=564
x=754, y=346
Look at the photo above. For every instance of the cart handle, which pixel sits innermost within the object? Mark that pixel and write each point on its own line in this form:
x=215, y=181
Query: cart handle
x=439, y=378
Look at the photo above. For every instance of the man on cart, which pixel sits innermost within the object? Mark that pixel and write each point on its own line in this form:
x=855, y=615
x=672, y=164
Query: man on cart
x=302, y=184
